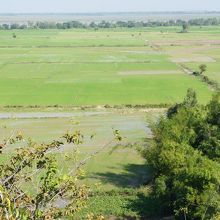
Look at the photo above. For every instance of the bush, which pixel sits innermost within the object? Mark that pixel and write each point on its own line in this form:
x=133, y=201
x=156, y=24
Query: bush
x=35, y=164
x=196, y=73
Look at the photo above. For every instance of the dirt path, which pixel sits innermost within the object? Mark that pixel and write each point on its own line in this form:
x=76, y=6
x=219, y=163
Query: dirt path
x=29, y=115
x=99, y=111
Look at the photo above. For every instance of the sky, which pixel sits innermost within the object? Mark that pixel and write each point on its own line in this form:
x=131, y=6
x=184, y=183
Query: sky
x=92, y=6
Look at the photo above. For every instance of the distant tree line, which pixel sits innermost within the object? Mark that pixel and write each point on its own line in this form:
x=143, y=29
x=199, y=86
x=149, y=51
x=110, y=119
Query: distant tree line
x=107, y=24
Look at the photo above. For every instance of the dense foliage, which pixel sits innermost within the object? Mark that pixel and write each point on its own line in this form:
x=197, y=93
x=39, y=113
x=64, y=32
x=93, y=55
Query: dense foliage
x=107, y=24
x=185, y=159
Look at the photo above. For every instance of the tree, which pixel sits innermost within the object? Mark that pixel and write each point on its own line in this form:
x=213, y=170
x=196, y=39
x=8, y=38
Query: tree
x=15, y=26
x=185, y=160
x=190, y=101
x=185, y=27
x=93, y=25
x=6, y=26
x=214, y=110
x=202, y=68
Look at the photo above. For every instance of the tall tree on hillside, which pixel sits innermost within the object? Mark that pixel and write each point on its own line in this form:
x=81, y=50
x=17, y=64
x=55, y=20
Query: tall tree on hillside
x=185, y=160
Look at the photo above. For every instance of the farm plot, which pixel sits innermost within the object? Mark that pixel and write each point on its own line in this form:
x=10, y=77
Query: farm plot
x=85, y=67
x=93, y=84
x=132, y=127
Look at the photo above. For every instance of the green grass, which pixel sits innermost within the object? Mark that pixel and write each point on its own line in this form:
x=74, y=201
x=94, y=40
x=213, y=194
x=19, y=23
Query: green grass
x=87, y=67
x=124, y=203
x=109, y=90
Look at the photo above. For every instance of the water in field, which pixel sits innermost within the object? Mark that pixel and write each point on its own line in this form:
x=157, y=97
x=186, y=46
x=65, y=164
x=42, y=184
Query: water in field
x=46, y=126
x=108, y=165
x=39, y=115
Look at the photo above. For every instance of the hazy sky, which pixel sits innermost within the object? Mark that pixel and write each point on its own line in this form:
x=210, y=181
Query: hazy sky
x=106, y=5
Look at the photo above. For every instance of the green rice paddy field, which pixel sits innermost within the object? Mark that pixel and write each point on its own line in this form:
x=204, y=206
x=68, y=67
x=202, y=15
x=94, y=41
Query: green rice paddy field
x=94, y=68
x=111, y=66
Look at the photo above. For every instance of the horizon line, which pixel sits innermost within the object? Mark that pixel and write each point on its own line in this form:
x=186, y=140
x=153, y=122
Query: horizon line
x=113, y=12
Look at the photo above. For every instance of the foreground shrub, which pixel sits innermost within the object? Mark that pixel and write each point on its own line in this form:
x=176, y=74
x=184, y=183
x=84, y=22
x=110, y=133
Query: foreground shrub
x=32, y=186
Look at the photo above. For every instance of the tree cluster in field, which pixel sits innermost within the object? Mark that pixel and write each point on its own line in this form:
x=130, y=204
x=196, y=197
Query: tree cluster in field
x=184, y=157
x=107, y=24
x=202, y=69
